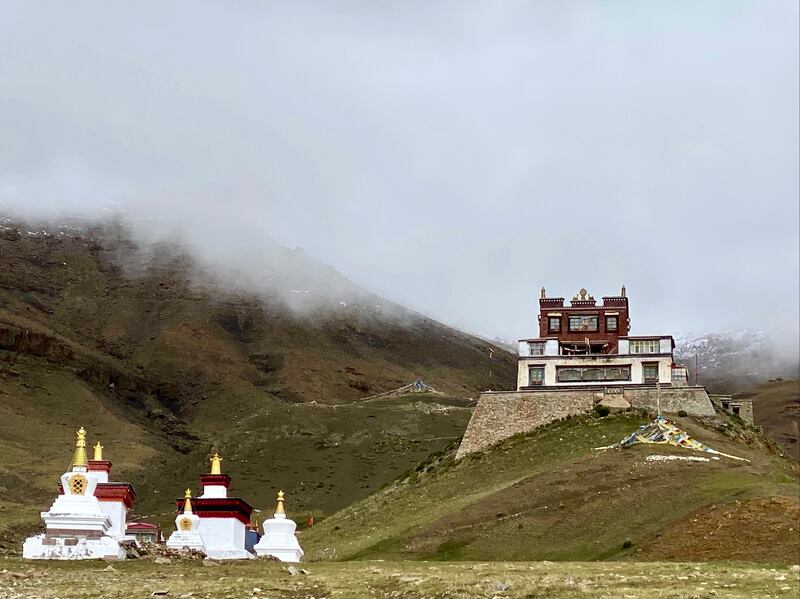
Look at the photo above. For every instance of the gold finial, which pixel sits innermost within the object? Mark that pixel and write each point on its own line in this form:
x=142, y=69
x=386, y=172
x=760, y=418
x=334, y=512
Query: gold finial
x=187, y=501
x=80, y=459
x=623, y=291
x=279, y=508
x=543, y=295
x=98, y=452
x=216, y=464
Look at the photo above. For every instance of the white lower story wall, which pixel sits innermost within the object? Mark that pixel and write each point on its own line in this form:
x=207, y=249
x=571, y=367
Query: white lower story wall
x=635, y=362
x=117, y=513
x=223, y=538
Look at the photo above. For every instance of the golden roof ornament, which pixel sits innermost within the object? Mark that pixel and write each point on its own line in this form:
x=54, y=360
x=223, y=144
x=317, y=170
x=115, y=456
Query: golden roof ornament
x=187, y=501
x=582, y=296
x=543, y=293
x=80, y=459
x=216, y=464
x=279, y=508
x=98, y=452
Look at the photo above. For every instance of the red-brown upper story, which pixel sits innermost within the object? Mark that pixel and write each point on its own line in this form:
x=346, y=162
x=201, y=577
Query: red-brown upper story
x=584, y=322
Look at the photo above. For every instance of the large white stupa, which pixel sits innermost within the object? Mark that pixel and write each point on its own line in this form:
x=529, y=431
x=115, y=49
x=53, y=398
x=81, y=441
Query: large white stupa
x=76, y=525
x=187, y=528
x=279, y=539
x=223, y=520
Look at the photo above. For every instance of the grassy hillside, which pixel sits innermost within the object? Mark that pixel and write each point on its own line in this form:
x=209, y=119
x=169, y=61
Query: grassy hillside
x=776, y=408
x=164, y=363
x=550, y=496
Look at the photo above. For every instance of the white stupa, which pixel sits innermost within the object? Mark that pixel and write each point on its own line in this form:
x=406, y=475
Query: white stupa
x=187, y=528
x=279, y=539
x=223, y=520
x=76, y=527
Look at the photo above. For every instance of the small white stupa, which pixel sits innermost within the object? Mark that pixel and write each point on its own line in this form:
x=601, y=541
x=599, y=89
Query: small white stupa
x=187, y=528
x=279, y=539
x=76, y=527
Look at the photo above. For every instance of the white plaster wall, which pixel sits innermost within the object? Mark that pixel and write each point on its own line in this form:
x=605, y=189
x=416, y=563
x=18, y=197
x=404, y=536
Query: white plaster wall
x=222, y=533
x=635, y=362
x=214, y=491
x=551, y=347
x=665, y=371
x=623, y=346
x=665, y=345
x=117, y=513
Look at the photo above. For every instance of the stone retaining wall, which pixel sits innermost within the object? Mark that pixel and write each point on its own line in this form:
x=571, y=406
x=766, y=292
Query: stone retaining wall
x=500, y=415
x=692, y=400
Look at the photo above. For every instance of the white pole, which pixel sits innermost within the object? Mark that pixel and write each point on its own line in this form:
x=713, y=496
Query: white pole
x=658, y=398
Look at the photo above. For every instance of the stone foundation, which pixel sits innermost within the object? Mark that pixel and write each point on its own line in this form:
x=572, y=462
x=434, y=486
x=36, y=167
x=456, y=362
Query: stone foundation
x=500, y=415
x=740, y=407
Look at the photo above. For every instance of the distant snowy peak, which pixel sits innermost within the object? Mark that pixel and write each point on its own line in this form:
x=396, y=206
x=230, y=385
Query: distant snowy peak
x=734, y=360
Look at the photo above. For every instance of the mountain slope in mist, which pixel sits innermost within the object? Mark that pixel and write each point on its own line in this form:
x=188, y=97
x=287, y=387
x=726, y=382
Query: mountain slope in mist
x=164, y=360
x=736, y=360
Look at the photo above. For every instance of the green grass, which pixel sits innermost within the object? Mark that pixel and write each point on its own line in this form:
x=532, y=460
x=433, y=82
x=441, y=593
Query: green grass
x=324, y=457
x=548, y=495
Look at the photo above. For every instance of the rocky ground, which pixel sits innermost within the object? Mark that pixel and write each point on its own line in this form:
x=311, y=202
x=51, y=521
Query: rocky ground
x=353, y=580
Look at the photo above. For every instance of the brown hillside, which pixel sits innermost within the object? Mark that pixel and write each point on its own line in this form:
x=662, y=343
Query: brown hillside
x=162, y=361
x=776, y=408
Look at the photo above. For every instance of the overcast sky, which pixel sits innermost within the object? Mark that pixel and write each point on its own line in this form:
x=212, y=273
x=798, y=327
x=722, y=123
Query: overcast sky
x=452, y=156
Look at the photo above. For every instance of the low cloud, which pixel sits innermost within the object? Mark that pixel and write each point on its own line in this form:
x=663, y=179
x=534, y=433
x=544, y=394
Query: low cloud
x=453, y=157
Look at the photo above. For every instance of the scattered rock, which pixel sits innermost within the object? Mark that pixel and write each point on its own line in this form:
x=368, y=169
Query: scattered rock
x=159, y=593
x=498, y=587
x=293, y=570
x=163, y=560
x=210, y=562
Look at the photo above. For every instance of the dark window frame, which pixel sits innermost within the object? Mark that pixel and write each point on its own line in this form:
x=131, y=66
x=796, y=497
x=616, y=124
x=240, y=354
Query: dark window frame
x=535, y=367
x=539, y=345
x=645, y=365
x=550, y=328
x=620, y=367
x=615, y=328
x=596, y=323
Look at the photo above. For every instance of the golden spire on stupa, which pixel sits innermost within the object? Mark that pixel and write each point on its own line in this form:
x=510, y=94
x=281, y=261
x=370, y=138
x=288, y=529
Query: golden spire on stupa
x=279, y=508
x=80, y=459
x=187, y=501
x=216, y=464
x=98, y=452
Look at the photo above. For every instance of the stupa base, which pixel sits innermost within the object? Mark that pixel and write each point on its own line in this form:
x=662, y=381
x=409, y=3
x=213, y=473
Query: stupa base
x=71, y=548
x=186, y=541
x=285, y=555
x=228, y=554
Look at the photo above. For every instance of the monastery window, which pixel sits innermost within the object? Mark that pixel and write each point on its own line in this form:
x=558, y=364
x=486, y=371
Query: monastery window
x=583, y=324
x=593, y=373
x=645, y=346
x=611, y=323
x=537, y=349
x=650, y=372
x=554, y=324
x=535, y=375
